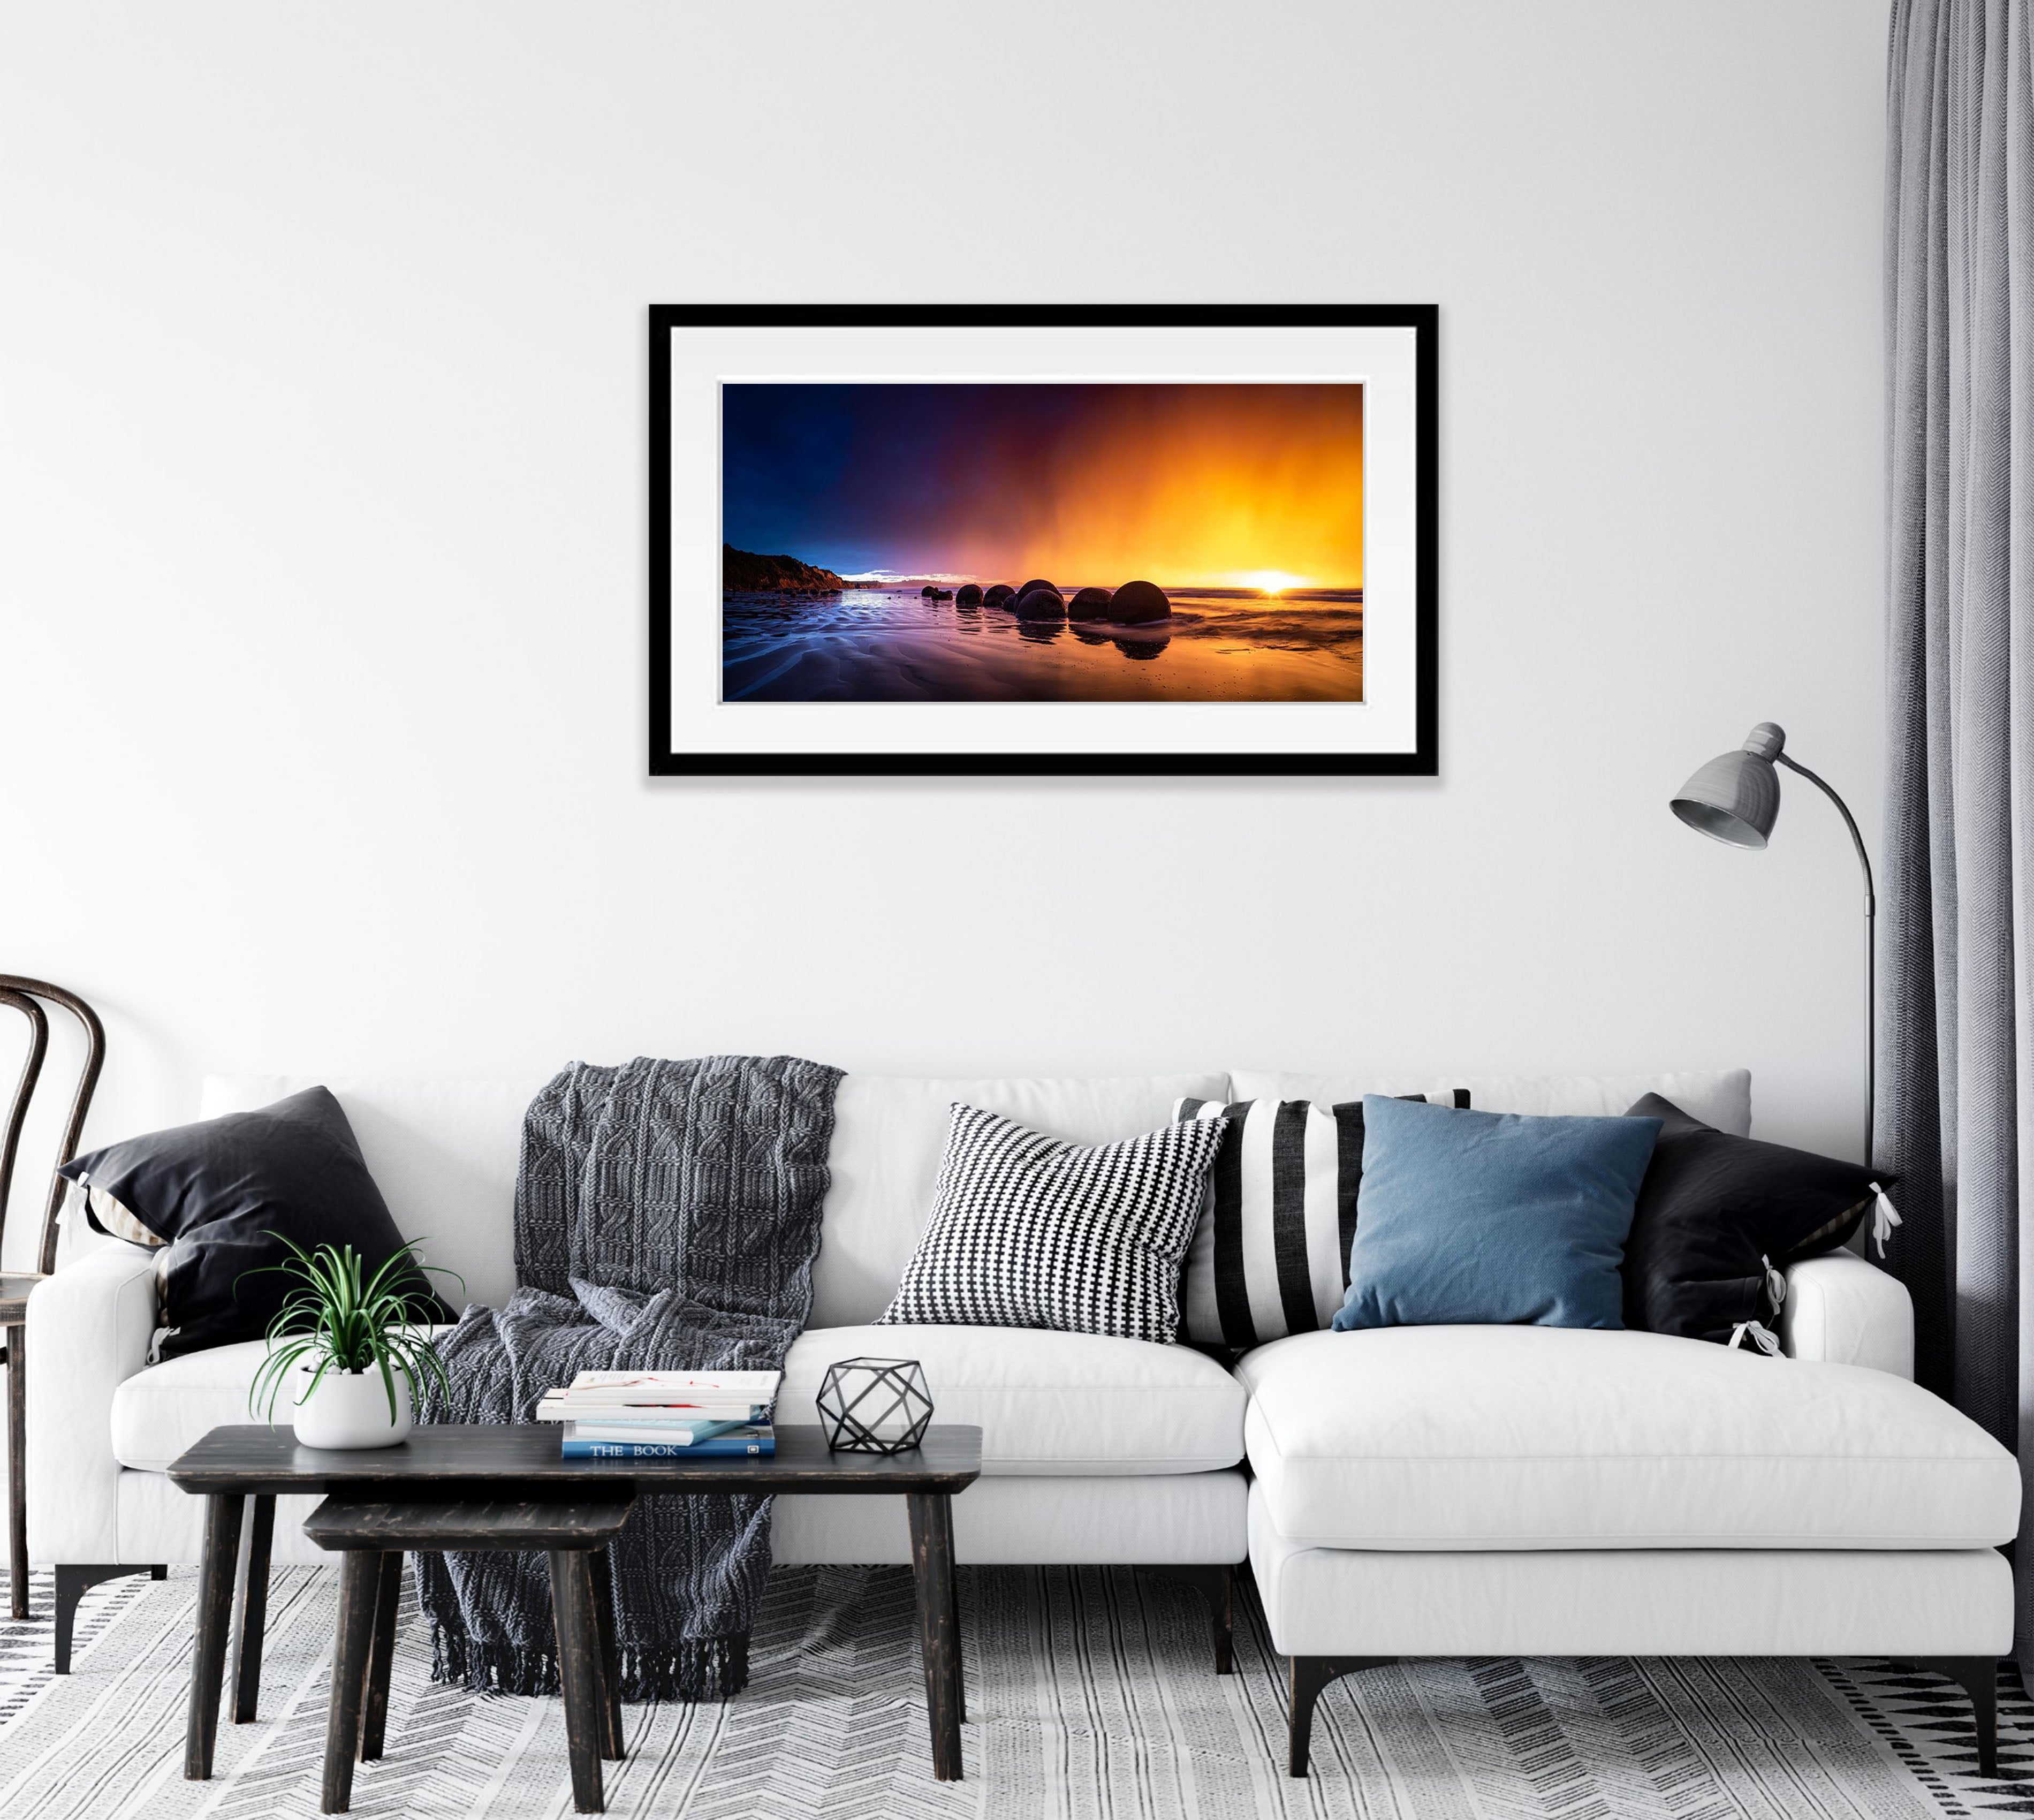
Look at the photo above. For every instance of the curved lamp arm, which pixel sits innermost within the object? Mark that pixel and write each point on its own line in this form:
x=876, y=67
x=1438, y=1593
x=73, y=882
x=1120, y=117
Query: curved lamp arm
x=1857, y=839
x=1870, y=948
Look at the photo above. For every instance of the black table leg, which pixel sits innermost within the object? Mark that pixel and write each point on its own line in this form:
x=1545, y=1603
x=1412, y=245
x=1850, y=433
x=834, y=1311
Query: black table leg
x=953, y=1599
x=388, y=1597
x=359, y=1578
x=578, y=1668
x=939, y=1624
x=610, y=1654
x=253, y=1613
x=215, y=1618
x=17, y=1470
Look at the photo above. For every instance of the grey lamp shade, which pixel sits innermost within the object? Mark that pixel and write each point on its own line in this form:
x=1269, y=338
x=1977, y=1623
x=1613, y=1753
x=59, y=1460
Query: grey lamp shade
x=1736, y=798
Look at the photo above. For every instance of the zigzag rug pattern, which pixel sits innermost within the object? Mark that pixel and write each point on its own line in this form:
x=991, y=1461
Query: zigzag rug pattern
x=1090, y=1696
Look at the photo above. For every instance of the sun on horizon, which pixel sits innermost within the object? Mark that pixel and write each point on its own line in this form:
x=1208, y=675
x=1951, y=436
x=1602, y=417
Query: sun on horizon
x=1270, y=581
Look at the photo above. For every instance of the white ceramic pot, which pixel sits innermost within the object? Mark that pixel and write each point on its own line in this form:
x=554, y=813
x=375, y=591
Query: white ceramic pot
x=348, y=1410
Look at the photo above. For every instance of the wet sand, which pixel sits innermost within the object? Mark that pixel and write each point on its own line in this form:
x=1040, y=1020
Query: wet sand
x=892, y=645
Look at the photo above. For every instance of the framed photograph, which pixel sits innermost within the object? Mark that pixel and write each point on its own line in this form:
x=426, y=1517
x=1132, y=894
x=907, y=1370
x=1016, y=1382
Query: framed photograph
x=1048, y=540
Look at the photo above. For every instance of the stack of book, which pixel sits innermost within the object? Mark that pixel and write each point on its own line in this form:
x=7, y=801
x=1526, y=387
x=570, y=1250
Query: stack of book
x=664, y=1414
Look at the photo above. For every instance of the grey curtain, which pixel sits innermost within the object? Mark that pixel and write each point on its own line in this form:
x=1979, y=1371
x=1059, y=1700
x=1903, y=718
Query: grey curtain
x=1956, y=1109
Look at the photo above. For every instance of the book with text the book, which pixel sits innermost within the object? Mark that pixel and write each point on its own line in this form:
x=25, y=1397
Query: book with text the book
x=749, y=1446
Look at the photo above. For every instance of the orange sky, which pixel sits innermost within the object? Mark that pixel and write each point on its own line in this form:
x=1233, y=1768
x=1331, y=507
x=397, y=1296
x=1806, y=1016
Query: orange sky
x=1214, y=485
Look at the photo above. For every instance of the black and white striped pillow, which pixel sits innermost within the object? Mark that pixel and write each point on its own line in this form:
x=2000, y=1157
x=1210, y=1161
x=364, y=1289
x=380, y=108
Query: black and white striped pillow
x=1270, y=1254
x=1029, y=1231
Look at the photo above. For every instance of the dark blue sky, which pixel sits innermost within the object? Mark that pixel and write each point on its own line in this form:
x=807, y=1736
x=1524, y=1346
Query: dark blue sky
x=861, y=477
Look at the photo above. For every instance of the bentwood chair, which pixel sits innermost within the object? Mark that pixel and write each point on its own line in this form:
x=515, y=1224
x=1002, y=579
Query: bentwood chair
x=25, y=995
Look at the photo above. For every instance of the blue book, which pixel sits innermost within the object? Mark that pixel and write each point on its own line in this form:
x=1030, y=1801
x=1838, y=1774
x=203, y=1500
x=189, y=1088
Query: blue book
x=721, y=1446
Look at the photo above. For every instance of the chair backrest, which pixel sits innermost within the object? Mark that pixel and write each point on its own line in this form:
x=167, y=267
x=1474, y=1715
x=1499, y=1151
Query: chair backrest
x=24, y=995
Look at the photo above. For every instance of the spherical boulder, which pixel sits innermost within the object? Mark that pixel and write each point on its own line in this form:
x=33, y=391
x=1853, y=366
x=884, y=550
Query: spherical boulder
x=968, y=595
x=1138, y=603
x=1030, y=585
x=1090, y=603
x=928, y=592
x=1001, y=595
x=1041, y=602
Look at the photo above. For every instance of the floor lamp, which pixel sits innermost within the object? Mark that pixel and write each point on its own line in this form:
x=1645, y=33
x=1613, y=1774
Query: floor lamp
x=1735, y=799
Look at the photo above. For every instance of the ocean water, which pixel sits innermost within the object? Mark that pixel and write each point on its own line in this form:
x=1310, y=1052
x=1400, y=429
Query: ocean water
x=892, y=644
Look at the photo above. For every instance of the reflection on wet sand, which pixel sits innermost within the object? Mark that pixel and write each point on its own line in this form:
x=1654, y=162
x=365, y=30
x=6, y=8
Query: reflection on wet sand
x=895, y=645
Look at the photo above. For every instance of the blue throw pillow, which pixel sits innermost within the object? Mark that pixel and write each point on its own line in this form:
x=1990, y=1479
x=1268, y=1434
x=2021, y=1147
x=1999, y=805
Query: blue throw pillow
x=1489, y=1218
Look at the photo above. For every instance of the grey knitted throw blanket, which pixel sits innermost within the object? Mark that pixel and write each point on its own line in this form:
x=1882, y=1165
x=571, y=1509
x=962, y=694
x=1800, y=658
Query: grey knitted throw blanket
x=667, y=1214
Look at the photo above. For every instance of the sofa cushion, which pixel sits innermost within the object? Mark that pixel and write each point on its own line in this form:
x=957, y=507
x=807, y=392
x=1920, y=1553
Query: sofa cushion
x=1573, y=1438
x=1052, y=1405
x=889, y=1133
x=158, y=1412
x=1028, y=1231
x=1719, y=1217
x=442, y=1152
x=1270, y=1254
x=1048, y=1404
x=241, y=1199
x=1468, y=1217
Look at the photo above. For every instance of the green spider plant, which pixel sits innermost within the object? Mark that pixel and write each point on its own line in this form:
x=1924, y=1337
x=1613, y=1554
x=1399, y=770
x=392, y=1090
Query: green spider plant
x=347, y=1324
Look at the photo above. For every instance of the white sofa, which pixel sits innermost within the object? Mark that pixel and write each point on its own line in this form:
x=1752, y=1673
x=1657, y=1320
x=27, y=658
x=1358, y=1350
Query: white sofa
x=1441, y=1491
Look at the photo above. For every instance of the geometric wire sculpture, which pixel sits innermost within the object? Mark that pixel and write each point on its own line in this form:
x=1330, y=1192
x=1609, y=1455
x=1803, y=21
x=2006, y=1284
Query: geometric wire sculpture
x=875, y=1405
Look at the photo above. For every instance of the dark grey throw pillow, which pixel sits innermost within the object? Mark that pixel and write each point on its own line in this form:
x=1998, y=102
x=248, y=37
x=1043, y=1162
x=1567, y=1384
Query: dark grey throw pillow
x=1719, y=1217
x=220, y=1191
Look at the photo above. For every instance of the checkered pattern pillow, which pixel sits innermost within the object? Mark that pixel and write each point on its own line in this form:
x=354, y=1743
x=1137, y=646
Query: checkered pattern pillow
x=1029, y=1231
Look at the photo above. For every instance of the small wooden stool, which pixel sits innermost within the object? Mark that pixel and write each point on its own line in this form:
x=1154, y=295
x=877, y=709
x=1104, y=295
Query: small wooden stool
x=374, y=1537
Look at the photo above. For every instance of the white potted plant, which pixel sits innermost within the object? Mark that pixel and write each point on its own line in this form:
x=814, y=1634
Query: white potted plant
x=352, y=1353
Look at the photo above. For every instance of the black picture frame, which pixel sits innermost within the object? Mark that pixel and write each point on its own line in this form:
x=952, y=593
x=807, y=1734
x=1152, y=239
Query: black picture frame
x=1423, y=760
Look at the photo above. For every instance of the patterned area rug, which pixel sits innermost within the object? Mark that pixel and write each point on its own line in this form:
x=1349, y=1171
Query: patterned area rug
x=1090, y=1696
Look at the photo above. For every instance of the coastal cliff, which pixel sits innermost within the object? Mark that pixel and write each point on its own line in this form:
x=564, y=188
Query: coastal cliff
x=743, y=572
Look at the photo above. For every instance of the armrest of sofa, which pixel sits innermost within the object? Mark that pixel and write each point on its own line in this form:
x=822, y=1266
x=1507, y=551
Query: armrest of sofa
x=89, y=1326
x=1843, y=1310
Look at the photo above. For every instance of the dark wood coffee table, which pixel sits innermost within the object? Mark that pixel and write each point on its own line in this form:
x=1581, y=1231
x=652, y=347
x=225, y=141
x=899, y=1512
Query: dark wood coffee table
x=453, y=1463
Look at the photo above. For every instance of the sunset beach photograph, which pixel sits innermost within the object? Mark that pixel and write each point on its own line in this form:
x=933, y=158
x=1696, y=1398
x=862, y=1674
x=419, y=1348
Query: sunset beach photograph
x=1041, y=542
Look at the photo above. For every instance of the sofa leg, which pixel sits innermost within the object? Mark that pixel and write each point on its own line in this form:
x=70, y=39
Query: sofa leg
x=1307, y=1676
x=1217, y=1585
x=1978, y=1676
x=72, y=1582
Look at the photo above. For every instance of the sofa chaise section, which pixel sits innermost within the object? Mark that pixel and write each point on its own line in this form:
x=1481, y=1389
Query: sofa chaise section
x=1546, y=1492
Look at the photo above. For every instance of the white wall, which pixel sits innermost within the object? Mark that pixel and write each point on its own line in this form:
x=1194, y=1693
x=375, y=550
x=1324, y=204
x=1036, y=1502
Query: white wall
x=322, y=525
